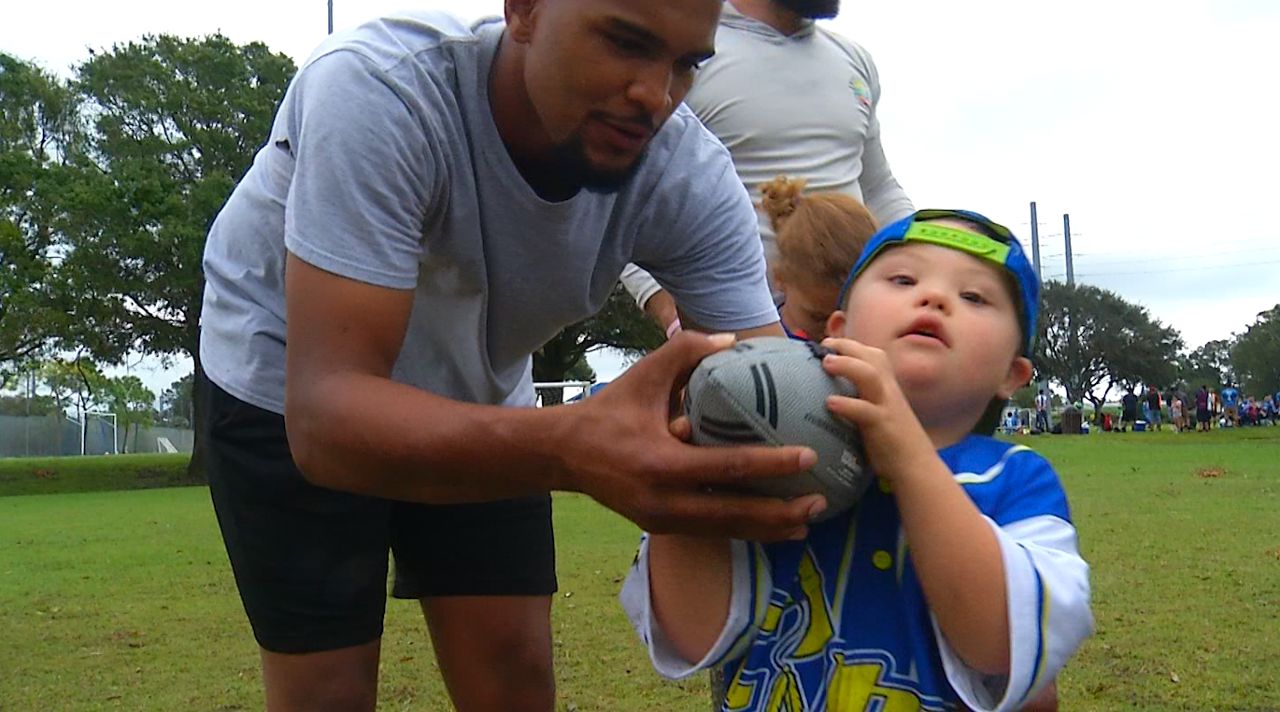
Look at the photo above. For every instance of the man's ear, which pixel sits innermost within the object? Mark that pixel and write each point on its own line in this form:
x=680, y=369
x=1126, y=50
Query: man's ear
x=520, y=16
x=1019, y=375
x=835, y=324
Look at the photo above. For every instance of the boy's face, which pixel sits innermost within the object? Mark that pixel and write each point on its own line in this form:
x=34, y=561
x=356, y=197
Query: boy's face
x=947, y=322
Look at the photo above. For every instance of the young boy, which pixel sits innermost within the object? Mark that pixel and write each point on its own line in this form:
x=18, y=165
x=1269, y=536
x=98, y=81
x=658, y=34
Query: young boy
x=957, y=582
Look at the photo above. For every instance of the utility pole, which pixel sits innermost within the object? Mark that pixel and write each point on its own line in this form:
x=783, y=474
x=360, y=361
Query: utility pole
x=1035, y=241
x=330, y=16
x=1043, y=385
x=1071, y=271
x=26, y=422
x=1066, y=233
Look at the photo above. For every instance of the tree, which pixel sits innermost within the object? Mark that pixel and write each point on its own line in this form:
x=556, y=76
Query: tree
x=1209, y=365
x=1256, y=355
x=618, y=325
x=176, y=404
x=38, y=133
x=175, y=124
x=132, y=402
x=1091, y=341
x=76, y=382
x=22, y=406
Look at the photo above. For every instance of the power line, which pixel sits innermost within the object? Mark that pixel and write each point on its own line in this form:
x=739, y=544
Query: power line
x=1198, y=255
x=1197, y=268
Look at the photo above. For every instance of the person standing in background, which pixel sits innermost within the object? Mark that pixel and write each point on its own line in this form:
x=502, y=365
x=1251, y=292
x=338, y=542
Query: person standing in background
x=1151, y=408
x=1042, y=412
x=1231, y=404
x=1202, y=408
x=788, y=97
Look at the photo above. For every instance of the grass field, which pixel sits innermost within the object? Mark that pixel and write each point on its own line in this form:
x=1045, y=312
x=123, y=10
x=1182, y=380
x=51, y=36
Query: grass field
x=123, y=600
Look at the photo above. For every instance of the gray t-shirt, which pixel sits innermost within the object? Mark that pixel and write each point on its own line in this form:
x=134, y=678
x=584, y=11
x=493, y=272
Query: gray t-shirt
x=384, y=165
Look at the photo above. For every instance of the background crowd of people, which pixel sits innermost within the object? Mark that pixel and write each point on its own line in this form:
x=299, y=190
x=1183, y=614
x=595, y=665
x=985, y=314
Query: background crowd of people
x=1153, y=409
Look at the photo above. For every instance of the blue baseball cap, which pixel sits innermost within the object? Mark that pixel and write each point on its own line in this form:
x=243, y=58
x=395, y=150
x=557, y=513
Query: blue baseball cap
x=985, y=240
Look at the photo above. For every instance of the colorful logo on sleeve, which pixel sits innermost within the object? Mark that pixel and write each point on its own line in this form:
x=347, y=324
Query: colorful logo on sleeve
x=861, y=90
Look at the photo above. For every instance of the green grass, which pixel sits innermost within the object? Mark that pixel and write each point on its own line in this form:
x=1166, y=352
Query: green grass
x=102, y=473
x=123, y=600
x=1182, y=532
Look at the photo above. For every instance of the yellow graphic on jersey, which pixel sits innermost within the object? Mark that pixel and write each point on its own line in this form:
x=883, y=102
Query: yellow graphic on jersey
x=738, y=696
x=785, y=695
x=771, y=618
x=819, y=631
x=854, y=687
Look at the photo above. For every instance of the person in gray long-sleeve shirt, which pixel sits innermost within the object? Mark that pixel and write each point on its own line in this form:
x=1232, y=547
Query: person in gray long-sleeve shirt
x=788, y=97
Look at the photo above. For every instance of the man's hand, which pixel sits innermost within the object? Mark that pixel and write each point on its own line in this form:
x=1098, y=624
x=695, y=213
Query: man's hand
x=622, y=448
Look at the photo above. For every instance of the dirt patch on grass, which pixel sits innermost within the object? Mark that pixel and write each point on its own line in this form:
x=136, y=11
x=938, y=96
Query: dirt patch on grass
x=1206, y=473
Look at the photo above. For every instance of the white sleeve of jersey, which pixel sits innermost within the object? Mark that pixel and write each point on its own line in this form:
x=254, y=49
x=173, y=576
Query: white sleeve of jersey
x=746, y=609
x=1047, y=584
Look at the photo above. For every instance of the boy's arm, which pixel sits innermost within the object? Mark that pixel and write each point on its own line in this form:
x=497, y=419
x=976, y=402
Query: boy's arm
x=1047, y=593
x=953, y=548
x=697, y=602
x=690, y=584
x=958, y=560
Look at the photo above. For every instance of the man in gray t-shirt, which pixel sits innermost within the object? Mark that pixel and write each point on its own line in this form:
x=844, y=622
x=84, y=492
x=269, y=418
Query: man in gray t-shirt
x=434, y=202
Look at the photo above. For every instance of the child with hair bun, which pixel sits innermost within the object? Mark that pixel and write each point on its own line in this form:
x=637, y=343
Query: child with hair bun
x=819, y=237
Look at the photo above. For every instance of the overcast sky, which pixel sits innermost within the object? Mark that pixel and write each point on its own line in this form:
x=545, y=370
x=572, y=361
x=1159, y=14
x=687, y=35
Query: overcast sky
x=1152, y=122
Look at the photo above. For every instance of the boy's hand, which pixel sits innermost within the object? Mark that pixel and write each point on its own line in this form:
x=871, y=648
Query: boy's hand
x=891, y=432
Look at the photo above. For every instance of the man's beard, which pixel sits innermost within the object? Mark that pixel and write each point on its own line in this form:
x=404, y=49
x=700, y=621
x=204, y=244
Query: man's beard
x=812, y=9
x=570, y=164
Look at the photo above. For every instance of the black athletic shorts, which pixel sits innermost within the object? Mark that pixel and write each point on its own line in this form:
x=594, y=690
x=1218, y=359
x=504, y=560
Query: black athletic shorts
x=311, y=563
x=1202, y=415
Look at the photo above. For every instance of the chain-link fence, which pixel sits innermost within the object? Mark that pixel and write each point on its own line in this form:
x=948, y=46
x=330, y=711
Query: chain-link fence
x=55, y=435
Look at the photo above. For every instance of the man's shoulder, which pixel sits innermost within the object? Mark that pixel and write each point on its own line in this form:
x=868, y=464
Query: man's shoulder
x=855, y=51
x=405, y=38
x=684, y=154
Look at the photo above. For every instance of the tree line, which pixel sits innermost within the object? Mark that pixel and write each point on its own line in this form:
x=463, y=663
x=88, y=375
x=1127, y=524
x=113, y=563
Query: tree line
x=110, y=179
x=1094, y=344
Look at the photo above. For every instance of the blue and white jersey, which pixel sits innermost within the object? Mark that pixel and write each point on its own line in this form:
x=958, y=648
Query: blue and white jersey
x=839, y=621
x=1230, y=397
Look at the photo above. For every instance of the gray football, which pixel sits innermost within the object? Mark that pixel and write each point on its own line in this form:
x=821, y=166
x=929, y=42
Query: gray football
x=772, y=391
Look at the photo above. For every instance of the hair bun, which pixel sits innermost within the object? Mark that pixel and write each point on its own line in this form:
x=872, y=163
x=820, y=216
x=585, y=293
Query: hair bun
x=779, y=198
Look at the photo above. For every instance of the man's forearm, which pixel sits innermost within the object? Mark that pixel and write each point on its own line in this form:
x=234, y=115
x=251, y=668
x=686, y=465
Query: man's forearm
x=370, y=435
x=662, y=309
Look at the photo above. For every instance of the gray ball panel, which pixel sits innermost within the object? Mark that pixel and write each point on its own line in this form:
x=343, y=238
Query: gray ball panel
x=773, y=391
